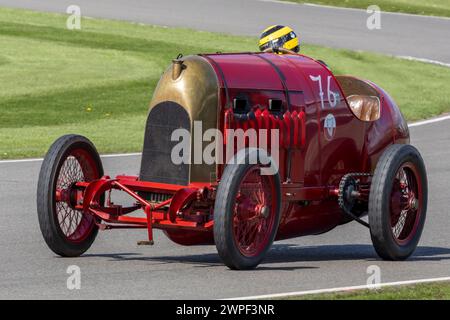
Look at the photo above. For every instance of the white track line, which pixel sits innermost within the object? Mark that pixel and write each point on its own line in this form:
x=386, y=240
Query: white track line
x=341, y=289
x=425, y=122
x=115, y=155
x=118, y=155
x=424, y=60
x=355, y=9
x=410, y=58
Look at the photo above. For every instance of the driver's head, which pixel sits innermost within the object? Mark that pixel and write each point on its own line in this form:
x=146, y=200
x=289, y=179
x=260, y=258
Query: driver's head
x=279, y=37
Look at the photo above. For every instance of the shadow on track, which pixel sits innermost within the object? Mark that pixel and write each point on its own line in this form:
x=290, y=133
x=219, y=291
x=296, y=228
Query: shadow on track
x=286, y=253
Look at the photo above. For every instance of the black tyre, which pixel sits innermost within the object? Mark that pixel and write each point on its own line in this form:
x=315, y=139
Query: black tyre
x=398, y=202
x=246, y=214
x=67, y=231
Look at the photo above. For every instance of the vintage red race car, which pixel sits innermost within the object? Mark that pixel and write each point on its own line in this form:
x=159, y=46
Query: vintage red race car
x=342, y=149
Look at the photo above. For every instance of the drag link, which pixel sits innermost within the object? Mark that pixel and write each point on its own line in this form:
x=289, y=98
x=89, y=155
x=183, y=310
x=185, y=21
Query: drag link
x=148, y=212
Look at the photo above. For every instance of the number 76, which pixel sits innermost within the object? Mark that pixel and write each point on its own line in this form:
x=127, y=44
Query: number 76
x=333, y=97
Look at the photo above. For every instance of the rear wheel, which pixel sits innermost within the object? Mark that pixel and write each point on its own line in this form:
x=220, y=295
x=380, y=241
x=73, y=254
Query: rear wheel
x=246, y=215
x=67, y=231
x=398, y=202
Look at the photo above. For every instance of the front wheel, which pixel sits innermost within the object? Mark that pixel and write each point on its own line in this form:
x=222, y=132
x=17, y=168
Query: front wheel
x=67, y=231
x=398, y=202
x=246, y=214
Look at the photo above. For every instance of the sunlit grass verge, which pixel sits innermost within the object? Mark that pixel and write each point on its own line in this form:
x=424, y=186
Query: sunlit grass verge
x=98, y=81
x=428, y=7
x=424, y=291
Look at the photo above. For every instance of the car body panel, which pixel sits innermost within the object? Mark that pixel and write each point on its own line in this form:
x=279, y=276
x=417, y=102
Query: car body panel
x=321, y=139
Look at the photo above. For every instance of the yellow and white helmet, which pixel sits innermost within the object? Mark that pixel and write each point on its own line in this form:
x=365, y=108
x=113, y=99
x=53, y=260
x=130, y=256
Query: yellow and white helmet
x=278, y=36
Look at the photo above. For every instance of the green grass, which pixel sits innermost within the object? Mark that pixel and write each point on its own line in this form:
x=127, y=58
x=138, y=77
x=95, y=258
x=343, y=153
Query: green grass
x=428, y=7
x=98, y=81
x=428, y=291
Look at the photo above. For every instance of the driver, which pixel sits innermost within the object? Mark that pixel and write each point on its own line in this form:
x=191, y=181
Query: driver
x=278, y=36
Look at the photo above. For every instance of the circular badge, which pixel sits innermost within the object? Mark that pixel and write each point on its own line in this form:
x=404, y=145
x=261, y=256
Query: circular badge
x=329, y=127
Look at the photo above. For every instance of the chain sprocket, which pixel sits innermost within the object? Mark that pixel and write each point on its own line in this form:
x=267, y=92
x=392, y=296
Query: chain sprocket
x=346, y=199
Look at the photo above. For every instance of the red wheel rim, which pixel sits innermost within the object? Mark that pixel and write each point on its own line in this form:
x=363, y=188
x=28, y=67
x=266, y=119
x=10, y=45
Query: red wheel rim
x=254, y=212
x=77, y=167
x=406, y=203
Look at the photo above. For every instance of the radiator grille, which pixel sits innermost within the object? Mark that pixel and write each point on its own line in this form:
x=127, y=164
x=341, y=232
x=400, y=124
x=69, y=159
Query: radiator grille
x=156, y=164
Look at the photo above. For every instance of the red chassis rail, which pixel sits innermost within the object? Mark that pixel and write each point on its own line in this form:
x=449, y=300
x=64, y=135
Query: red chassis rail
x=187, y=207
x=90, y=198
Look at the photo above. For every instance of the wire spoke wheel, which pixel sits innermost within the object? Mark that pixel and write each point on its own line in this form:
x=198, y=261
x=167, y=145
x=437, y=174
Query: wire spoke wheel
x=254, y=213
x=405, y=203
x=398, y=202
x=77, y=167
x=246, y=212
x=71, y=159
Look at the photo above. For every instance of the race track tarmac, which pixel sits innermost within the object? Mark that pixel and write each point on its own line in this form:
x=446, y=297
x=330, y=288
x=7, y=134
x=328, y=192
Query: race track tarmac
x=116, y=268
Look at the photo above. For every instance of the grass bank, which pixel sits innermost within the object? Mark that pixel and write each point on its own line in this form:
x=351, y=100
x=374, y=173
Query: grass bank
x=425, y=291
x=98, y=81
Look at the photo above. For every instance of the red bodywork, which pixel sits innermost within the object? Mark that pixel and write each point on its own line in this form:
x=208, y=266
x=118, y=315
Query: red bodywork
x=311, y=165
